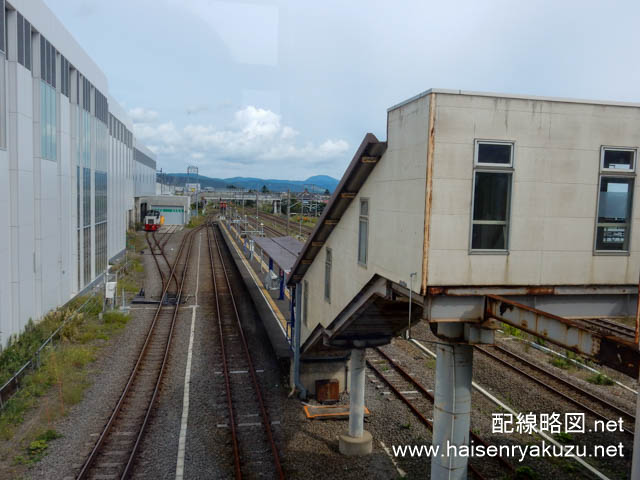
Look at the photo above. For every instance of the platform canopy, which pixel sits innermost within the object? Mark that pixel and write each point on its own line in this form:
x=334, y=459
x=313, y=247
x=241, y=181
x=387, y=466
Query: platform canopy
x=282, y=250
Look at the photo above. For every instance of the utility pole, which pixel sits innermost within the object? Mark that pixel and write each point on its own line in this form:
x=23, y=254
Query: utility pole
x=257, y=213
x=288, y=209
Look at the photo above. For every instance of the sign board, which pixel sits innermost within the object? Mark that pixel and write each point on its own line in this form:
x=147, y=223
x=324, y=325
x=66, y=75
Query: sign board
x=110, y=290
x=192, y=187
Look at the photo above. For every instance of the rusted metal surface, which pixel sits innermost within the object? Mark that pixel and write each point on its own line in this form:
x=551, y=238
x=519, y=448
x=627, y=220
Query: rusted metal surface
x=224, y=291
x=574, y=401
x=424, y=392
x=151, y=337
x=521, y=290
x=614, y=352
x=429, y=193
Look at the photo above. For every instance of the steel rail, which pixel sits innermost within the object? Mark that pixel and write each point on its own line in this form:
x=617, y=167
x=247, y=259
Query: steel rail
x=254, y=380
x=165, y=357
x=283, y=222
x=155, y=259
x=162, y=253
x=225, y=367
x=84, y=471
x=610, y=326
x=562, y=381
x=416, y=383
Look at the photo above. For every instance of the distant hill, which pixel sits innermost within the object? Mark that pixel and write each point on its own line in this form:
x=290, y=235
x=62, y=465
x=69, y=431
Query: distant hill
x=317, y=182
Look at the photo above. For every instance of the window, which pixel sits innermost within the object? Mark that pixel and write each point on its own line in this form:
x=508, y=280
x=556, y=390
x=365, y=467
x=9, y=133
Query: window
x=615, y=197
x=305, y=302
x=327, y=276
x=2, y=33
x=363, y=232
x=491, y=196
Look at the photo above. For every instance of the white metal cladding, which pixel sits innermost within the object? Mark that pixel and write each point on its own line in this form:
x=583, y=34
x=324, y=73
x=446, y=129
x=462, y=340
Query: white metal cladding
x=58, y=162
x=173, y=214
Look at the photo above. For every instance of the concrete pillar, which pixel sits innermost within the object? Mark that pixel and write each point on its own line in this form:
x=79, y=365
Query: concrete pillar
x=358, y=441
x=635, y=462
x=452, y=409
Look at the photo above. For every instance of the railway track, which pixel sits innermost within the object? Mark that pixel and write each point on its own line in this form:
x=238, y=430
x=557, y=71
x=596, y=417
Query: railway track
x=574, y=394
x=114, y=453
x=292, y=225
x=413, y=394
x=608, y=327
x=244, y=398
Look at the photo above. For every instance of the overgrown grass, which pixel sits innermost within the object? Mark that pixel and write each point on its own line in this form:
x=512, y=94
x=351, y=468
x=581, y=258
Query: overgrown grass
x=62, y=368
x=37, y=448
x=196, y=221
x=600, y=379
x=513, y=331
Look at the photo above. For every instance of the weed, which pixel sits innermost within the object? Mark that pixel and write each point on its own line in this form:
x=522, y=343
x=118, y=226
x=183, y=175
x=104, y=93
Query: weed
x=600, y=379
x=513, y=331
x=541, y=341
x=561, y=362
x=406, y=426
x=525, y=473
x=564, y=437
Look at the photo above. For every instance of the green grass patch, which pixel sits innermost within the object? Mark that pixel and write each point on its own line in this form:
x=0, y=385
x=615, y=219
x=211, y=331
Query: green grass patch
x=525, y=473
x=511, y=330
x=196, y=221
x=63, y=372
x=600, y=379
x=561, y=362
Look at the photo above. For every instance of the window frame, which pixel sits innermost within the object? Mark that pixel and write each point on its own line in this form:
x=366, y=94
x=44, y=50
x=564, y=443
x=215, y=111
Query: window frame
x=476, y=151
x=360, y=218
x=305, y=303
x=616, y=171
x=328, y=267
x=492, y=168
x=621, y=174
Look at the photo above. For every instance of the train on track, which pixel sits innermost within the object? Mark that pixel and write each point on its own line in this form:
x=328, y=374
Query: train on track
x=153, y=220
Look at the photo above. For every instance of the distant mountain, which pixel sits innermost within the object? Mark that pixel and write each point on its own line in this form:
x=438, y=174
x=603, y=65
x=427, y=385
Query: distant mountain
x=317, y=182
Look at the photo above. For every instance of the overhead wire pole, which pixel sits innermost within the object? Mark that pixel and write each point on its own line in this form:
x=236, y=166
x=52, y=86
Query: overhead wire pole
x=288, y=209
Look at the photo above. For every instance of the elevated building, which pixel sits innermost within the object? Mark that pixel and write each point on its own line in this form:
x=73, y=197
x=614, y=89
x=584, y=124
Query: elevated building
x=474, y=195
x=66, y=167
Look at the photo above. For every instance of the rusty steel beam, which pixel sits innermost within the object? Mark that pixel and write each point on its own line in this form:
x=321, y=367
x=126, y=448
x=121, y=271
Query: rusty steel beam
x=613, y=352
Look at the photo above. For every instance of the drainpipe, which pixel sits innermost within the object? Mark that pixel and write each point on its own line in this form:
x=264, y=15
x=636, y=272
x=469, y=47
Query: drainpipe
x=296, y=300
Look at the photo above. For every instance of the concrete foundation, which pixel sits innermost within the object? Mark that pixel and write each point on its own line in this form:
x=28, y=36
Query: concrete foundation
x=452, y=409
x=356, y=446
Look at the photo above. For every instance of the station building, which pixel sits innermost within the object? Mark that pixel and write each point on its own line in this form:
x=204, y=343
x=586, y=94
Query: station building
x=66, y=166
x=472, y=195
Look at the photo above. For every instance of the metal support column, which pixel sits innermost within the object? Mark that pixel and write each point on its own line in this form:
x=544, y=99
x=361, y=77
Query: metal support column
x=452, y=410
x=296, y=309
x=356, y=402
x=358, y=441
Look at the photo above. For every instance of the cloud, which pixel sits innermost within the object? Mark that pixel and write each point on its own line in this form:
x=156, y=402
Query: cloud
x=142, y=115
x=254, y=136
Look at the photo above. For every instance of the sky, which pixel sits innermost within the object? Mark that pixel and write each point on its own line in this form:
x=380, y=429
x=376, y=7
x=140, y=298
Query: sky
x=288, y=88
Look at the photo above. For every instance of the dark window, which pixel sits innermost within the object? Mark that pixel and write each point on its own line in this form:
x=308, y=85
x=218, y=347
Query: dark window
x=2, y=34
x=491, y=198
x=614, y=213
x=363, y=232
x=20, y=40
x=614, y=159
x=53, y=66
x=494, y=153
x=327, y=275
x=305, y=302
x=27, y=44
x=43, y=68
